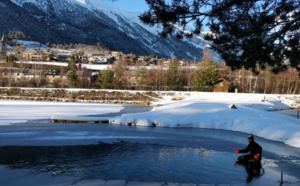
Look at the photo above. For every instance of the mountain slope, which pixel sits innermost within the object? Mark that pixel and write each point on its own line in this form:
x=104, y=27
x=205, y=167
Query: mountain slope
x=71, y=21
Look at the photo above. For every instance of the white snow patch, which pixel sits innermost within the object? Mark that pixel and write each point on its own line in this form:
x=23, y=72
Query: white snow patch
x=22, y=111
x=203, y=111
x=197, y=109
x=44, y=63
x=96, y=67
x=31, y=44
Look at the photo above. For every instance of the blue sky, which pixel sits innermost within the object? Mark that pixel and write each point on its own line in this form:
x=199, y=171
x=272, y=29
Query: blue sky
x=130, y=5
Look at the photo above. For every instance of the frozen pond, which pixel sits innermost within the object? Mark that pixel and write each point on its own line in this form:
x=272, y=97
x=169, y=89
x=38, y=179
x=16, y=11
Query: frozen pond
x=293, y=113
x=85, y=152
x=128, y=161
x=42, y=153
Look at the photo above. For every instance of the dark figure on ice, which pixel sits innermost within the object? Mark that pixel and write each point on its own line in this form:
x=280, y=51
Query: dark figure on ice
x=251, y=161
x=254, y=149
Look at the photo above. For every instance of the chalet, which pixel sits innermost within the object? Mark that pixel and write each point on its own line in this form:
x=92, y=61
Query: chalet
x=55, y=77
x=40, y=56
x=35, y=55
x=11, y=74
x=221, y=85
x=63, y=57
x=28, y=53
x=141, y=58
x=98, y=59
x=81, y=58
x=50, y=75
x=116, y=54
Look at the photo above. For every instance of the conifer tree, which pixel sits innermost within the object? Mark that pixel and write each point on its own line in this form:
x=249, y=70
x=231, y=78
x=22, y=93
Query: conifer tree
x=118, y=76
x=173, y=76
x=205, y=76
x=11, y=58
x=72, y=78
x=142, y=77
x=245, y=33
x=106, y=79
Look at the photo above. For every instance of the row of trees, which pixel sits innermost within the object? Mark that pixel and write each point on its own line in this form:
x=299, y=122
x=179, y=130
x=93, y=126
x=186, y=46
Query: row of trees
x=286, y=82
x=201, y=78
x=176, y=77
x=173, y=78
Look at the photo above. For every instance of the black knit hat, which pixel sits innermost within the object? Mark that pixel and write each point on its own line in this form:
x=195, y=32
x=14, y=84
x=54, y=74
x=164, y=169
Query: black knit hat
x=251, y=137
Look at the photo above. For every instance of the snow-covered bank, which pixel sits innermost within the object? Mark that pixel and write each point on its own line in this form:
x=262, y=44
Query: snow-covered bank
x=197, y=109
x=22, y=111
x=269, y=102
x=213, y=111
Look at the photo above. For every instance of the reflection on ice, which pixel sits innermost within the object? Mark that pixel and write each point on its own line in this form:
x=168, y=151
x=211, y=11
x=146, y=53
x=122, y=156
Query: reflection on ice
x=15, y=134
x=140, y=154
x=99, y=137
x=126, y=161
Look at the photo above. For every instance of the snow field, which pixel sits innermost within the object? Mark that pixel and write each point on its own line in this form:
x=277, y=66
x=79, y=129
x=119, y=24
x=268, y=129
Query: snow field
x=212, y=110
x=197, y=109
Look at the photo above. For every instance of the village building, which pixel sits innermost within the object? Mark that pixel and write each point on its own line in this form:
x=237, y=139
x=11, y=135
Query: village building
x=11, y=75
x=55, y=77
x=141, y=58
x=98, y=59
x=28, y=53
x=89, y=75
x=152, y=61
x=116, y=54
x=63, y=57
x=49, y=75
x=221, y=85
x=81, y=59
x=35, y=55
x=166, y=63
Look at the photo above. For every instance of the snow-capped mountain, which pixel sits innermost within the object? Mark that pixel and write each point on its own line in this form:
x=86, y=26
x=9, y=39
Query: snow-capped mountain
x=92, y=21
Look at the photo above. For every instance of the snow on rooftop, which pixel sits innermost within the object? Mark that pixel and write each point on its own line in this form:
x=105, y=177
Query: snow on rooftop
x=96, y=67
x=44, y=63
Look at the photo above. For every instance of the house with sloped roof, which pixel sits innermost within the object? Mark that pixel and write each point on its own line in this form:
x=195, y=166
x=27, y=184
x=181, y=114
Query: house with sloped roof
x=221, y=85
x=35, y=55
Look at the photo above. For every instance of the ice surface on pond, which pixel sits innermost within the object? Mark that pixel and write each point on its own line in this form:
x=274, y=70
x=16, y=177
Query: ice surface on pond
x=22, y=111
x=197, y=109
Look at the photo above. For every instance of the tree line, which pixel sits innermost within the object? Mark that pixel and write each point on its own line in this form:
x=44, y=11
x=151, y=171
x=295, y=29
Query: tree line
x=158, y=78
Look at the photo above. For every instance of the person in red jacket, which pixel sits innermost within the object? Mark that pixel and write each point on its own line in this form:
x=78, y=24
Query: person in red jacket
x=254, y=149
